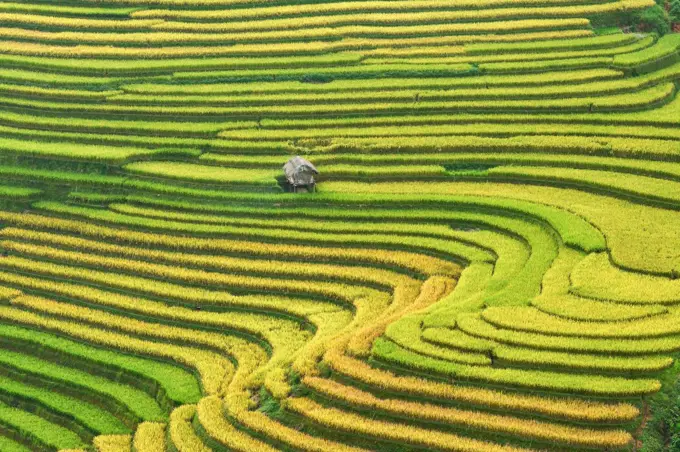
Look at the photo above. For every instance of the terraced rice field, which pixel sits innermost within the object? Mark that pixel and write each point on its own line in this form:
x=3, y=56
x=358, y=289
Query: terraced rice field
x=491, y=261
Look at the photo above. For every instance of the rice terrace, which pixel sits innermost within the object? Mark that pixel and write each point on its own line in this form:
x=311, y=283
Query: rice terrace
x=339, y=225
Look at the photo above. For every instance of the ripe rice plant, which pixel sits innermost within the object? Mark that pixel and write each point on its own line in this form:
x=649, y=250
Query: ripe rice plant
x=567, y=77
x=536, y=321
x=484, y=397
x=570, y=361
x=487, y=259
x=149, y=437
x=476, y=327
x=181, y=432
x=451, y=416
x=602, y=386
x=210, y=368
x=331, y=418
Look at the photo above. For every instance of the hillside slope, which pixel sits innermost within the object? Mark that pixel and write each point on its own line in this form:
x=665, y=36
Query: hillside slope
x=490, y=261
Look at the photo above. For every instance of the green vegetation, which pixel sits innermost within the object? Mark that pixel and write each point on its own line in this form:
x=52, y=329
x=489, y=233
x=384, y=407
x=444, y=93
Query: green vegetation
x=489, y=260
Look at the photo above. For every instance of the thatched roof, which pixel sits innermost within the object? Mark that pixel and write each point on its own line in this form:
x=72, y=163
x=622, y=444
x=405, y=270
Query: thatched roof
x=299, y=171
x=296, y=163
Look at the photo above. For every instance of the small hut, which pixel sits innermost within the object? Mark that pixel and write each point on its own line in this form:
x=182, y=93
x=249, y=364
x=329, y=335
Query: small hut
x=300, y=173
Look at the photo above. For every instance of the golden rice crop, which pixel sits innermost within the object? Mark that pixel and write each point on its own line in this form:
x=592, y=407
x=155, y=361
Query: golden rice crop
x=181, y=432
x=296, y=307
x=594, y=363
x=427, y=90
x=585, y=309
x=36, y=20
x=532, y=320
x=246, y=5
x=210, y=414
x=264, y=425
x=149, y=437
x=412, y=261
x=112, y=443
x=264, y=296
x=260, y=13
x=210, y=367
x=334, y=291
x=202, y=173
x=523, y=379
x=569, y=408
x=363, y=426
x=408, y=299
x=284, y=336
x=339, y=225
x=528, y=80
x=156, y=38
x=388, y=24
x=407, y=332
x=35, y=91
x=456, y=339
x=93, y=51
x=475, y=326
x=160, y=38
x=640, y=99
x=286, y=268
x=501, y=424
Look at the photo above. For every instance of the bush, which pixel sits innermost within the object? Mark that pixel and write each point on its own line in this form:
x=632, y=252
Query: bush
x=653, y=19
x=674, y=11
x=663, y=426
